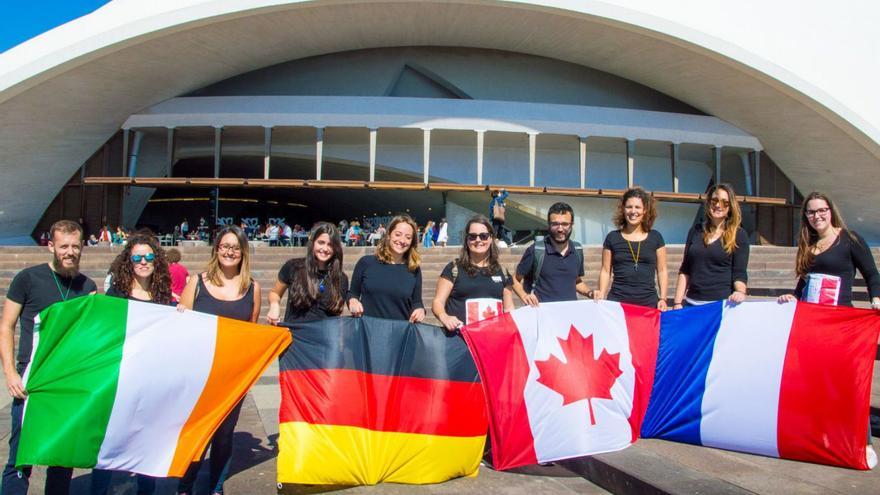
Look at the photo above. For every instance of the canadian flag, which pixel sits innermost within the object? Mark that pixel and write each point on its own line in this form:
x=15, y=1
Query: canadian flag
x=565, y=379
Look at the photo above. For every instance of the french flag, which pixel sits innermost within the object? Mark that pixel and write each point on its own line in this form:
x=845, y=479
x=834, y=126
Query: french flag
x=786, y=380
x=565, y=379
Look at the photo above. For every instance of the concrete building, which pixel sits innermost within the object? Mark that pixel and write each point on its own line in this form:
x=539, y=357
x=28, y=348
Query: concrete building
x=332, y=109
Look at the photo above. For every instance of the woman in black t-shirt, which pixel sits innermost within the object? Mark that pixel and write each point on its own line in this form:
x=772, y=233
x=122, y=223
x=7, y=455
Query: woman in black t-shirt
x=828, y=249
x=716, y=254
x=474, y=287
x=315, y=285
x=388, y=284
x=633, y=254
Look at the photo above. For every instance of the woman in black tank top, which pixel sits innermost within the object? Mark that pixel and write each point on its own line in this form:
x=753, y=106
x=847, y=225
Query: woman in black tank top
x=224, y=289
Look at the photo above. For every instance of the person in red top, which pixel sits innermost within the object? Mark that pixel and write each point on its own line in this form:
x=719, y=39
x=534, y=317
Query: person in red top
x=179, y=273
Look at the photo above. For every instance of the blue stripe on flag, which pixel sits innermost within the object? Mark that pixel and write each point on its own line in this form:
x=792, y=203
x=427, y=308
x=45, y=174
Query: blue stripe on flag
x=687, y=338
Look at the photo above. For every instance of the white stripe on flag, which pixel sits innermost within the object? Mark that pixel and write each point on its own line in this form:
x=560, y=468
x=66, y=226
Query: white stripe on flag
x=741, y=401
x=166, y=360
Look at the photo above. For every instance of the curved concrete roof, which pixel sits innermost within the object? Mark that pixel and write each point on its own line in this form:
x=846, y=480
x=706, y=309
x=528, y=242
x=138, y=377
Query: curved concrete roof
x=63, y=93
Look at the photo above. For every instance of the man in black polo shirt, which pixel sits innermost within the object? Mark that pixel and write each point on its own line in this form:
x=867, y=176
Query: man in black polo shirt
x=554, y=273
x=31, y=291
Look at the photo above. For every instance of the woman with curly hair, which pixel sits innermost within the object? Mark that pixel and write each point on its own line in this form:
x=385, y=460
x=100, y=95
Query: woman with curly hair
x=633, y=254
x=226, y=288
x=475, y=286
x=140, y=273
x=315, y=285
x=388, y=284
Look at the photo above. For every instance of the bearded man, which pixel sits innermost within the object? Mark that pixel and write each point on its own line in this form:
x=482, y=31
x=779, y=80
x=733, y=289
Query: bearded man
x=31, y=291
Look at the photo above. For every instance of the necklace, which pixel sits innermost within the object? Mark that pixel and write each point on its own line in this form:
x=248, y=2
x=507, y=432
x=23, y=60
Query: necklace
x=58, y=284
x=635, y=254
x=321, y=285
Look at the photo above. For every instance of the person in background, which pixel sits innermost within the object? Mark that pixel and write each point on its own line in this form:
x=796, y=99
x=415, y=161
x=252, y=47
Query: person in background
x=32, y=290
x=388, y=284
x=179, y=274
x=141, y=274
x=286, y=235
x=315, y=285
x=498, y=212
x=443, y=233
x=184, y=227
x=474, y=286
x=552, y=269
x=93, y=241
x=716, y=254
x=272, y=234
x=633, y=254
x=428, y=235
x=226, y=288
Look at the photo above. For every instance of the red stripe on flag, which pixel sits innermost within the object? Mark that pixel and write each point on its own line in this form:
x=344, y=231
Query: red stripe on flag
x=504, y=368
x=382, y=403
x=824, y=397
x=643, y=330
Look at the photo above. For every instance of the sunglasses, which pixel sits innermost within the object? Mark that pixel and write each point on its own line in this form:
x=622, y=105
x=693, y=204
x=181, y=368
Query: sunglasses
x=483, y=236
x=136, y=258
x=718, y=201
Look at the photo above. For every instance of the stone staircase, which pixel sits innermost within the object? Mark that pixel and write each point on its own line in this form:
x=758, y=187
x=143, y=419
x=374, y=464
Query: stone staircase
x=771, y=269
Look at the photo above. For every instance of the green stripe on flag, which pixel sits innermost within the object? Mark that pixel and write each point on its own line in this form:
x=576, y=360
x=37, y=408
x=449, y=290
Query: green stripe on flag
x=72, y=381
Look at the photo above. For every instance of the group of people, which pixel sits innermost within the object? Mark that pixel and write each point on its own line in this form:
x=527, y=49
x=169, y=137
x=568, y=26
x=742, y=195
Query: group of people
x=435, y=234
x=388, y=284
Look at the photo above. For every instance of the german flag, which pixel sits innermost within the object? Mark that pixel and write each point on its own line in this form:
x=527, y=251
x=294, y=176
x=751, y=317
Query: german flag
x=367, y=400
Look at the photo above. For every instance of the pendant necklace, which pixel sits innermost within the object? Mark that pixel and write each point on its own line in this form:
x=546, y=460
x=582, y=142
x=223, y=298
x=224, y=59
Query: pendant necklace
x=635, y=254
x=58, y=284
x=321, y=285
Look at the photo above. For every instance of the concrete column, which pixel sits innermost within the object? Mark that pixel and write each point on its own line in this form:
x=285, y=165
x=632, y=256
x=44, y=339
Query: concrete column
x=717, y=150
x=319, y=151
x=481, y=140
x=630, y=161
x=267, y=151
x=373, y=133
x=582, y=144
x=218, y=150
x=169, y=151
x=426, y=153
x=674, y=155
x=126, y=135
x=533, y=138
x=757, y=155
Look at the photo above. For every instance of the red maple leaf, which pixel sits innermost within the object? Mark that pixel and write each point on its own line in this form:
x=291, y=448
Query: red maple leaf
x=489, y=313
x=581, y=376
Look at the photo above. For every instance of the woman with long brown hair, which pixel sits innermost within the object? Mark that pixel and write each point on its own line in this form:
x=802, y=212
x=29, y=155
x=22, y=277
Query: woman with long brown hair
x=388, y=284
x=473, y=287
x=716, y=254
x=226, y=288
x=315, y=285
x=828, y=255
x=633, y=254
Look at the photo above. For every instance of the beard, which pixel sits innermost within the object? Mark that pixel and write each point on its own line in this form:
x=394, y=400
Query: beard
x=561, y=237
x=66, y=272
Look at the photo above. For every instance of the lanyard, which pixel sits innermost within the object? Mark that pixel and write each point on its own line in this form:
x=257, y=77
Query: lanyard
x=58, y=284
x=635, y=254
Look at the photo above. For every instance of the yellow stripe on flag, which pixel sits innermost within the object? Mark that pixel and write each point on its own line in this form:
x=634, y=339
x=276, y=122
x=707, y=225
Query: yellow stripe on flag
x=349, y=455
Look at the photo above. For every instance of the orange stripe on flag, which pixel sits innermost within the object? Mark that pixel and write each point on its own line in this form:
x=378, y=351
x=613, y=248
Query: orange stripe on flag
x=243, y=352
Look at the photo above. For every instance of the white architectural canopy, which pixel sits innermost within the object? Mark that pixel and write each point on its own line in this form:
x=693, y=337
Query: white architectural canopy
x=806, y=94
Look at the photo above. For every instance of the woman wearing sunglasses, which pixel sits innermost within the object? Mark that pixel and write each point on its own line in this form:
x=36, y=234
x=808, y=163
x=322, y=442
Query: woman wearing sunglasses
x=474, y=287
x=140, y=273
x=388, y=284
x=226, y=288
x=315, y=285
x=716, y=254
x=633, y=254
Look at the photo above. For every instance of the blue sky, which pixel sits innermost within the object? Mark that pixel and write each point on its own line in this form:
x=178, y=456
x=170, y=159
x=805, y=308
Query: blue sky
x=21, y=20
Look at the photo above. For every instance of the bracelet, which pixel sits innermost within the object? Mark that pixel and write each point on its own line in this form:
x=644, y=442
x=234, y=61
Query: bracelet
x=590, y=294
x=677, y=303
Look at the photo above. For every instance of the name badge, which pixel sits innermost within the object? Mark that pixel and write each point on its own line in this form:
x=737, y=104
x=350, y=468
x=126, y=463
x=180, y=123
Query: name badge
x=497, y=278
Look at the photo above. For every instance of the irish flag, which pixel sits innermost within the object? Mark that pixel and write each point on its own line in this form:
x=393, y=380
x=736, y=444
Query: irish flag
x=118, y=384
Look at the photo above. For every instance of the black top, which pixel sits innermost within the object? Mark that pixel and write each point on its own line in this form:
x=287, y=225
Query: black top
x=321, y=307
x=481, y=285
x=239, y=309
x=842, y=259
x=711, y=271
x=634, y=284
x=35, y=289
x=559, y=273
x=386, y=290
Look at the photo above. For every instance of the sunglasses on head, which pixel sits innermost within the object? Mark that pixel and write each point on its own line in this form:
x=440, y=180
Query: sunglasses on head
x=483, y=236
x=136, y=258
